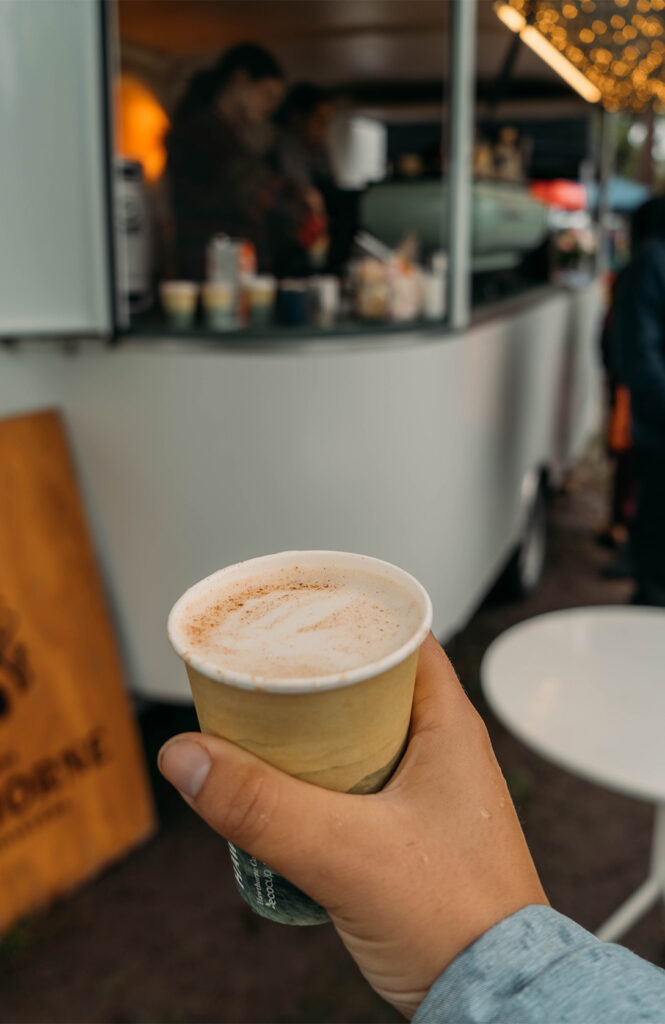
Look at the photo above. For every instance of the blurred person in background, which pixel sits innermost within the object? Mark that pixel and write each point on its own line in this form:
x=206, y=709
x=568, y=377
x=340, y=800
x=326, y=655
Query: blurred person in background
x=301, y=150
x=300, y=158
x=619, y=446
x=619, y=443
x=219, y=176
x=638, y=357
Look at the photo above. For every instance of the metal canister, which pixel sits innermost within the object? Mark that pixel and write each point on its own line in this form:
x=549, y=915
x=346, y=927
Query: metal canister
x=231, y=260
x=222, y=260
x=133, y=235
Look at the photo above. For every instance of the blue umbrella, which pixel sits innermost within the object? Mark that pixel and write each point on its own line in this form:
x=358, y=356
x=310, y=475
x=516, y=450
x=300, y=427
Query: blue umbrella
x=624, y=195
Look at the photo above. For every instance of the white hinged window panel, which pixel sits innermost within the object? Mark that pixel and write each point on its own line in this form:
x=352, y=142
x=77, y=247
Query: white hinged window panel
x=54, y=244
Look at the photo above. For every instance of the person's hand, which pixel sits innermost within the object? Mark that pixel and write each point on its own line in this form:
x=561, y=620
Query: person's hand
x=410, y=876
x=314, y=201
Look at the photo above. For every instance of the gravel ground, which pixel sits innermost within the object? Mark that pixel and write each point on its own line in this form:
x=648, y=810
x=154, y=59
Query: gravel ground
x=163, y=936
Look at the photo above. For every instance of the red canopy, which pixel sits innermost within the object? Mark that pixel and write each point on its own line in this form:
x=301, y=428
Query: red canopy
x=566, y=195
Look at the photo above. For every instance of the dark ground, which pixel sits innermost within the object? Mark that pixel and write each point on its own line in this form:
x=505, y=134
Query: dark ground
x=163, y=937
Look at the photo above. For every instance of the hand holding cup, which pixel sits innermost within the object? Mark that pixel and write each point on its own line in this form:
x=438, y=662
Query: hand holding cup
x=411, y=875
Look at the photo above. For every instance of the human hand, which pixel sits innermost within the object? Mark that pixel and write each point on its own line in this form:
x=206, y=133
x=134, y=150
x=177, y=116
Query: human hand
x=411, y=875
x=314, y=200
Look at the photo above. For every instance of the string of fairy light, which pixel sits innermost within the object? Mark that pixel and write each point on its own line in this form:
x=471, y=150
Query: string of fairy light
x=617, y=45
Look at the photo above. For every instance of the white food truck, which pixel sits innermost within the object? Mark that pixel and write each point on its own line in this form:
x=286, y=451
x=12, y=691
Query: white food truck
x=431, y=446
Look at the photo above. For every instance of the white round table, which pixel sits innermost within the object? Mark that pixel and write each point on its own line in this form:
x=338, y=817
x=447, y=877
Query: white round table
x=585, y=688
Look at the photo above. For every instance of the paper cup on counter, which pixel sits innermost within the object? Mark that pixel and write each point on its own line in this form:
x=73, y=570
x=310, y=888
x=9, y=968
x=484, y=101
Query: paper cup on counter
x=260, y=291
x=324, y=299
x=178, y=300
x=219, y=302
x=292, y=302
x=345, y=732
x=434, y=295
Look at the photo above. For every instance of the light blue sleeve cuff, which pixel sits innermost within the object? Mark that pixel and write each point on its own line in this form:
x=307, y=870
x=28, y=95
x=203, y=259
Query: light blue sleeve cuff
x=539, y=967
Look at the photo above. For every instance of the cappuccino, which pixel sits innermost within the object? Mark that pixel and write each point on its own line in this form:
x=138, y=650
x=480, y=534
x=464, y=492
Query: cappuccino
x=297, y=622
x=306, y=659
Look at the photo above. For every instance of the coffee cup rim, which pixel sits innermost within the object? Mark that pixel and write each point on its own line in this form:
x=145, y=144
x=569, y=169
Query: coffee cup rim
x=305, y=684
x=180, y=284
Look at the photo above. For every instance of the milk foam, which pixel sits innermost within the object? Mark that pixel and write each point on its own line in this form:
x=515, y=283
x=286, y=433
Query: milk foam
x=298, y=622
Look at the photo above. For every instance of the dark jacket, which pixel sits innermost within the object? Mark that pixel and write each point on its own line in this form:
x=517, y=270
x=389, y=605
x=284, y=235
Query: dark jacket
x=218, y=185
x=638, y=342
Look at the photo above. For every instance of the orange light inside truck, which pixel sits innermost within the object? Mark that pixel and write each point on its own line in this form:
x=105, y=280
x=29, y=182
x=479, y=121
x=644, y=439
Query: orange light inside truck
x=141, y=126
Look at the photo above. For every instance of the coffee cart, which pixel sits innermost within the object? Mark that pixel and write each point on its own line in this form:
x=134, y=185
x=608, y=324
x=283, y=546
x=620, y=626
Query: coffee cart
x=431, y=445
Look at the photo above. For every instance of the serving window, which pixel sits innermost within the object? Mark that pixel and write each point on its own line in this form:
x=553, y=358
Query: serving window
x=281, y=166
x=284, y=167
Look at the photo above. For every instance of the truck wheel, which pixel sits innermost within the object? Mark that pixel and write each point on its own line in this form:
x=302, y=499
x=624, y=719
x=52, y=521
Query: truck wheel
x=525, y=569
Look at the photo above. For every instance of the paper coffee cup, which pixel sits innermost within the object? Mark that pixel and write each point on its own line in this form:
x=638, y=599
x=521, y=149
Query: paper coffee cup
x=324, y=299
x=292, y=303
x=261, y=290
x=219, y=299
x=179, y=301
x=345, y=732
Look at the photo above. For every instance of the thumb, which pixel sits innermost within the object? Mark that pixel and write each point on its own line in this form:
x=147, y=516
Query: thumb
x=280, y=820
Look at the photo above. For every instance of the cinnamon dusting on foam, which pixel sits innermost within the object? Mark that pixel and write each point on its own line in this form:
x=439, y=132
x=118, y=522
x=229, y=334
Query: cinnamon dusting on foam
x=300, y=622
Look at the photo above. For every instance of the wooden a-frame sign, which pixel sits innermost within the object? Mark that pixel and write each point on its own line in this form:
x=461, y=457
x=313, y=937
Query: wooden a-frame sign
x=74, y=793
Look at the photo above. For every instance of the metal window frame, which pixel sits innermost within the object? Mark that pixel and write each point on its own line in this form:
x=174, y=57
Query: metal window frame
x=604, y=174
x=461, y=117
x=457, y=186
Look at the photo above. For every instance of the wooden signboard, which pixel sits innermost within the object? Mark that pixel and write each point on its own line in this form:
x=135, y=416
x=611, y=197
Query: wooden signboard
x=74, y=794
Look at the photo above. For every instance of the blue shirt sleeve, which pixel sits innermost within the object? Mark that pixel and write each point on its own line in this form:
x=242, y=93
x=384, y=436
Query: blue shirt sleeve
x=538, y=967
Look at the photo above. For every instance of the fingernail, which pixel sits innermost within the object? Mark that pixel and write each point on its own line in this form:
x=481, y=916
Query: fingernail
x=185, y=764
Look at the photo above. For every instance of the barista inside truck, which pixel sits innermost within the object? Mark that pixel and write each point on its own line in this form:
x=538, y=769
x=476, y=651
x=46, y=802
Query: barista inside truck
x=220, y=180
